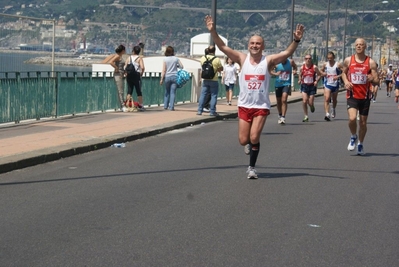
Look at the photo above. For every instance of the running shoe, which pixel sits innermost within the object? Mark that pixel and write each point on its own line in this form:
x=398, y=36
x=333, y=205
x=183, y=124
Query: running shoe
x=360, y=150
x=333, y=113
x=206, y=110
x=306, y=119
x=352, y=143
x=282, y=120
x=327, y=118
x=229, y=103
x=251, y=173
x=247, y=149
x=312, y=109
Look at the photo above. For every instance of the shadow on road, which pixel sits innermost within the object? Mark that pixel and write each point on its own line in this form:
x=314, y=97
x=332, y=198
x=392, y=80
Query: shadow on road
x=262, y=175
x=293, y=175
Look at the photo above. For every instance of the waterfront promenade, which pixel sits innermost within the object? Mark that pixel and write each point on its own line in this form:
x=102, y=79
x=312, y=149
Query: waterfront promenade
x=31, y=143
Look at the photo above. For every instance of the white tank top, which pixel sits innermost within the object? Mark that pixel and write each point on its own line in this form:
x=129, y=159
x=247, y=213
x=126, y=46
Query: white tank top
x=389, y=75
x=331, y=73
x=254, y=85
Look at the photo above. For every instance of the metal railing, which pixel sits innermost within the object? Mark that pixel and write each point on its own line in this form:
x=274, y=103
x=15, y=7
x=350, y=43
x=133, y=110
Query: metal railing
x=37, y=95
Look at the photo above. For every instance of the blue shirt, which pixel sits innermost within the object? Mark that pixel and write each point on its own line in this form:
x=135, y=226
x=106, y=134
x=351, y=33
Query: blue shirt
x=284, y=79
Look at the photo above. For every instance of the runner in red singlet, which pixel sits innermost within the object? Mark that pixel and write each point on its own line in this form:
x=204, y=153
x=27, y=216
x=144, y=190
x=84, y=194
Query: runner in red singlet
x=359, y=71
x=308, y=81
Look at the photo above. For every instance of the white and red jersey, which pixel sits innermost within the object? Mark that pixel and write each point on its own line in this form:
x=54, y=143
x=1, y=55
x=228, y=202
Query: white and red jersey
x=357, y=75
x=254, y=85
x=389, y=75
x=308, y=74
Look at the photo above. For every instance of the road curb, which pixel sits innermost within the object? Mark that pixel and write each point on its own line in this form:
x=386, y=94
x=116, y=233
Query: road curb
x=51, y=154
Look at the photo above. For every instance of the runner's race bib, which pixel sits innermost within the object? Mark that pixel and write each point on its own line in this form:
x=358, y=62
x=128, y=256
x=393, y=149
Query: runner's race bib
x=254, y=82
x=358, y=78
x=308, y=79
x=284, y=76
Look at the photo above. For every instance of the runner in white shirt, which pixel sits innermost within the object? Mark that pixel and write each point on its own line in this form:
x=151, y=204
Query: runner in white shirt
x=253, y=100
x=388, y=80
x=332, y=71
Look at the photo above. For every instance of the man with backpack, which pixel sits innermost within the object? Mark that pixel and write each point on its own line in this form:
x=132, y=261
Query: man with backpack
x=211, y=65
x=207, y=100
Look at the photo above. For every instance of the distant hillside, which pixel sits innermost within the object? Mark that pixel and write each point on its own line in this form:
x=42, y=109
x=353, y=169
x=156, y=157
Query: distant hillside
x=105, y=24
x=71, y=5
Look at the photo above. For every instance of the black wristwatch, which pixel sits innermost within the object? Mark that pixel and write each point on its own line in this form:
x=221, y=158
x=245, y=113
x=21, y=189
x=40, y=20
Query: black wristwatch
x=297, y=41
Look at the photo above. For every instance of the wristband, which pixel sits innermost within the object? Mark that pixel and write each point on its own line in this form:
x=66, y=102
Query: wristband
x=297, y=41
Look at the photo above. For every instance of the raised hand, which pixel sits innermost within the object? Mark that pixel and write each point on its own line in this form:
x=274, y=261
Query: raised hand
x=209, y=22
x=298, y=33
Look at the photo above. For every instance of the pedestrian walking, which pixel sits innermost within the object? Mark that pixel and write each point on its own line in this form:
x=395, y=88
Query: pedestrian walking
x=169, y=77
x=207, y=101
x=210, y=85
x=229, y=78
x=133, y=78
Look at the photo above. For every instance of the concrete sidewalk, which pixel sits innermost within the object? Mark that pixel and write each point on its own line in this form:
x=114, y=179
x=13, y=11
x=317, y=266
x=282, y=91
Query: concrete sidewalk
x=33, y=143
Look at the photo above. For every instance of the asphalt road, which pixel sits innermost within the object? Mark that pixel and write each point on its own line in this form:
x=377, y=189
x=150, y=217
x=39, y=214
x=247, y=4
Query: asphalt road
x=182, y=199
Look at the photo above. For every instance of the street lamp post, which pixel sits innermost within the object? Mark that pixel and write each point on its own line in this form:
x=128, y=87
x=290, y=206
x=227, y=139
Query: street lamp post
x=328, y=26
x=213, y=12
x=379, y=57
x=346, y=20
x=292, y=21
x=391, y=29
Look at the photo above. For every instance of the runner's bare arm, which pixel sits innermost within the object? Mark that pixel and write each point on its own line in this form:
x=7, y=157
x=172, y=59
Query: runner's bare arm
x=322, y=70
x=339, y=66
x=319, y=74
x=345, y=68
x=236, y=56
x=294, y=66
x=300, y=76
x=373, y=77
x=274, y=72
x=281, y=57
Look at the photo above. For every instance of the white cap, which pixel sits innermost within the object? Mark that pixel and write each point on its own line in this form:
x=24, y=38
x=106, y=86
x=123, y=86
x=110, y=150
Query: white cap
x=390, y=65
